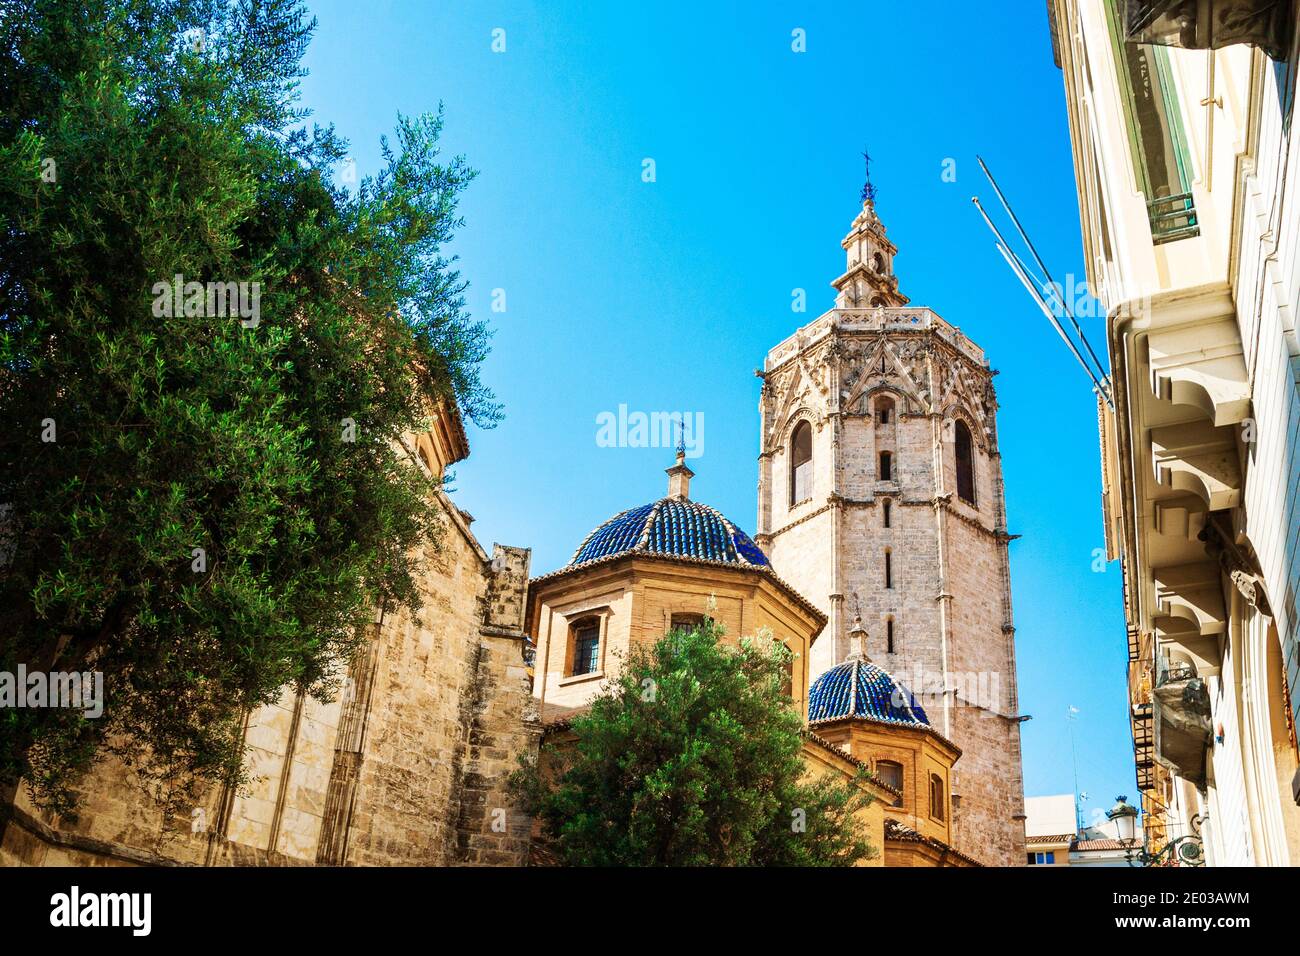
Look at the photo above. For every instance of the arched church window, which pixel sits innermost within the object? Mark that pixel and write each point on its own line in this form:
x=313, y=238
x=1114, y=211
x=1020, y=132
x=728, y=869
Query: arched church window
x=885, y=513
x=801, y=463
x=965, y=462
x=889, y=635
x=891, y=775
x=586, y=646
x=886, y=466
x=889, y=568
x=936, y=797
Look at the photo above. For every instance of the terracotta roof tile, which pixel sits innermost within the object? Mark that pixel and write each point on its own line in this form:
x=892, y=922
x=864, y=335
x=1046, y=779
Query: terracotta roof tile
x=901, y=833
x=1086, y=845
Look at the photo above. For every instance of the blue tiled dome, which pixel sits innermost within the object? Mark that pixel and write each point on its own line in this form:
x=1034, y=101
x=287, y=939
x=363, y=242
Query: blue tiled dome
x=859, y=688
x=671, y=526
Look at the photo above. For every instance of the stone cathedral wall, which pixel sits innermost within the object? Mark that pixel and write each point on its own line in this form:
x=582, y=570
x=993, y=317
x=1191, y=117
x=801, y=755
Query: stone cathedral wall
x=408, y=766
x=405, y=806
x=989, y=772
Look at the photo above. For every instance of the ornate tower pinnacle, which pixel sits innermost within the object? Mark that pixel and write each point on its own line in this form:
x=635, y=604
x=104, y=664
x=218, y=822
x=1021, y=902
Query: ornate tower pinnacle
x=868, y=281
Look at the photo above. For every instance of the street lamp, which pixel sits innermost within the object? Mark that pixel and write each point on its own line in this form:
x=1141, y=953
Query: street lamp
x=1185, y=850
x=1124, y=816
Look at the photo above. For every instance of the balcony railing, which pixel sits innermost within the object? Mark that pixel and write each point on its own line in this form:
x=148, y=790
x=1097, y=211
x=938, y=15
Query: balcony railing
x=1172, y=218
x=1169, y=672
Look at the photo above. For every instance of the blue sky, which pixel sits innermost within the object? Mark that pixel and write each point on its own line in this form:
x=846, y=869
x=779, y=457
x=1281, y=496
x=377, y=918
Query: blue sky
x=665, y=296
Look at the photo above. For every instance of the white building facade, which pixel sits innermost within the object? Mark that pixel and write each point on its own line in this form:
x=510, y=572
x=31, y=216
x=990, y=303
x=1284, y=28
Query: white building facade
x=1181, y=117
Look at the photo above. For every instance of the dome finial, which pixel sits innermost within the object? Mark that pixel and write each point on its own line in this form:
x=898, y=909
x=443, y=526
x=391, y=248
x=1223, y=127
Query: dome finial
x=679, y=476
x=857, y=635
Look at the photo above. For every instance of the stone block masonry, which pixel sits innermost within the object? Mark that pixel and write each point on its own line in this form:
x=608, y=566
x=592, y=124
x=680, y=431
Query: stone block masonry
x=407, y=767
x=906, y=520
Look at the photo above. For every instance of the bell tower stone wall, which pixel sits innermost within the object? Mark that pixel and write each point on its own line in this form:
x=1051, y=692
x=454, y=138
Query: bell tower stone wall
x=902, y=519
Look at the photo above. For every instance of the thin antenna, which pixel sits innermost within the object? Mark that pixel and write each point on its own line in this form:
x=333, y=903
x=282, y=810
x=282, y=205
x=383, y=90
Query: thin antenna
x=1051, y=283
x=1074, y=756
x=1022, y=273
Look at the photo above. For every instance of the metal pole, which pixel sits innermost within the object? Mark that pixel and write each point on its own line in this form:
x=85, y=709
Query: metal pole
x=1021, y=272
x=1074, y=758
x=1034, y=252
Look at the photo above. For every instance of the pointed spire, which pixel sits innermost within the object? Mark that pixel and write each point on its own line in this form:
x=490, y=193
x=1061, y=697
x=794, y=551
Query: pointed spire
x=868, y=281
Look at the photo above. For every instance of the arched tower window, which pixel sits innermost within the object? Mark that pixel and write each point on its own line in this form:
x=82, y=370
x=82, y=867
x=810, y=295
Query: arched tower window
x=889, y=635
x=885, y=513
x=965, y=462
x=884, y=410
x=889, y=568
x=801, y=463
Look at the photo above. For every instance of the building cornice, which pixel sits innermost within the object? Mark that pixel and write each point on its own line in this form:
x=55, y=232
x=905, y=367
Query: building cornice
x=891, y=724
x=613, y=564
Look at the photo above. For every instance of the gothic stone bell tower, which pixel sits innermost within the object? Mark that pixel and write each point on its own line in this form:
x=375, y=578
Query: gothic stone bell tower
x=880, y=493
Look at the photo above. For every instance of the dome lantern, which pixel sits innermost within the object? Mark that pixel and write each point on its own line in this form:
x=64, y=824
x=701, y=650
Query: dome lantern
x=679, y=477
x=858, y=641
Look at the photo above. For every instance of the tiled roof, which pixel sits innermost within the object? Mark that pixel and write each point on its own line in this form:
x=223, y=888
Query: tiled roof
x=765, y=570
x=559, y=717
x=900, y=833
x=1051, y=838
x=845, y=755
x=859, y=688
x=671, y=526
x=1086, y=845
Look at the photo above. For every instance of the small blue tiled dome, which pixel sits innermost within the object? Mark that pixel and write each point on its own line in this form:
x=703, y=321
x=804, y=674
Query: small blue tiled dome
x=671, y=526
x=859, y=688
